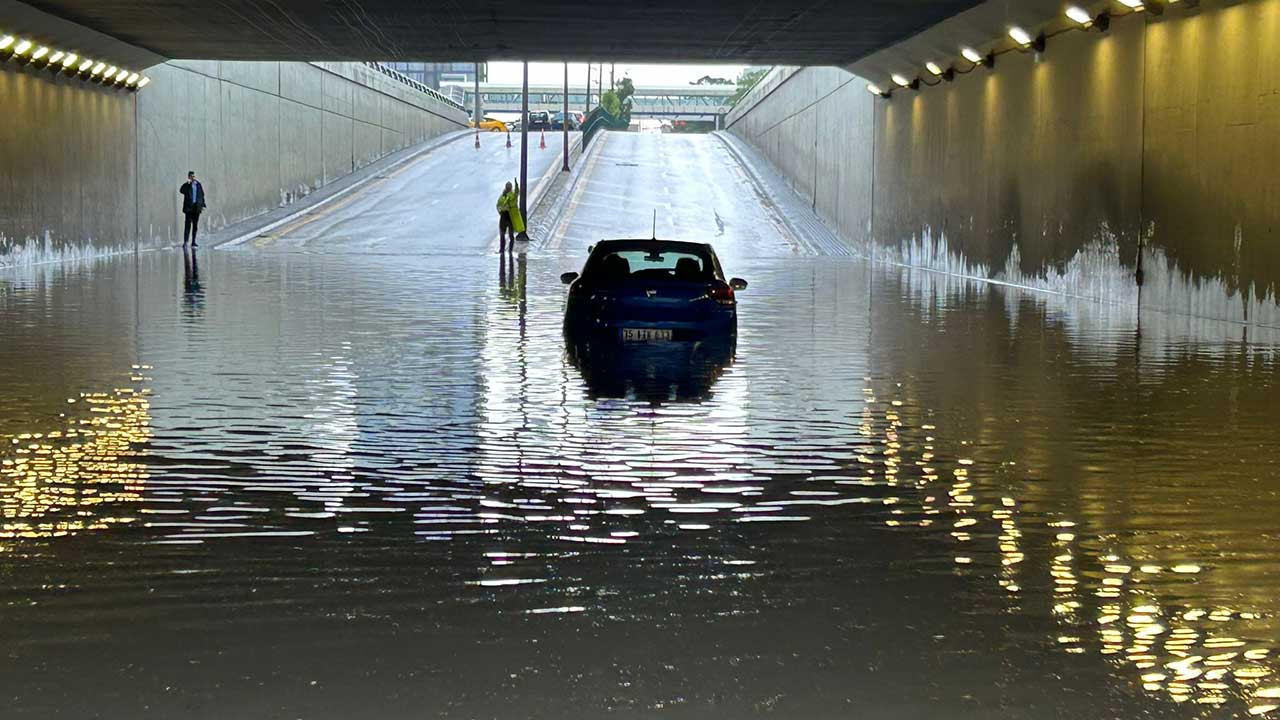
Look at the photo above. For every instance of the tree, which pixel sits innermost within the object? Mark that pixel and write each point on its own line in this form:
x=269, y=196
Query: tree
x=610, y=102
x=747, y=79
x=708, y=80
x=625, y=89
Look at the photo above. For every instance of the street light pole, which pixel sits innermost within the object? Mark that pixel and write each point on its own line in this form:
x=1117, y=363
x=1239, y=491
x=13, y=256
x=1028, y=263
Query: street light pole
x=524, y=146
x=586, y=108
x=478, y=115
x=564, y=119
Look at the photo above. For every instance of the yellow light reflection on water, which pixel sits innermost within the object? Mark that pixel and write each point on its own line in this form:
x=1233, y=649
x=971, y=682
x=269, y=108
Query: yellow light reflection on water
x=1206, y=656
x=62, y=482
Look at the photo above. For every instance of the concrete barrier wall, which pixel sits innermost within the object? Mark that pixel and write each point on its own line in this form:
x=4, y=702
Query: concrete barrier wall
x=815, y=125
x=90, y=171
x=1030, y=174
x=1211, y=149
x=66, y=169
x=1146, y=148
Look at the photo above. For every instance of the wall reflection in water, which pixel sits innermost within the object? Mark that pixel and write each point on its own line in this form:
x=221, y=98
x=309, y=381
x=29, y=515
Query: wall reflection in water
x=1110, y=467
x=80, y=477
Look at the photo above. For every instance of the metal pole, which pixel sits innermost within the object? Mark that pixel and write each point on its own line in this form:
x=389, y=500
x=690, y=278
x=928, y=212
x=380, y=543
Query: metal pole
x=479, y=109
x=586, y=108
x=564, y=119
x=524, y=146
x=600, y=82
x=612, y=84
x=479, y=114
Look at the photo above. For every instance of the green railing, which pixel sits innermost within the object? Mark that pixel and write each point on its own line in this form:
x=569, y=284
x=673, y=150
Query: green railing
x=601, y=119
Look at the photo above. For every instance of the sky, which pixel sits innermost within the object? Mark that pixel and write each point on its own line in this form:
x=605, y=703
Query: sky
x=541, y=73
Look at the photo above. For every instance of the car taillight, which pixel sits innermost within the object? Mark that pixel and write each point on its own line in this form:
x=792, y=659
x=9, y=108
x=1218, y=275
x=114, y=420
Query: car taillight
x=722, y=294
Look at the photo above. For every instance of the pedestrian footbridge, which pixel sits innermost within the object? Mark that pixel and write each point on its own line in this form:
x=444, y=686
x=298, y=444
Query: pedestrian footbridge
x=679, y=102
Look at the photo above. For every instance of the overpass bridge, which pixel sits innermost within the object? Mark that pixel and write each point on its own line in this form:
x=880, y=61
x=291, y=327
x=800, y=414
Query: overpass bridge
x=799, y=32
x=675, y=102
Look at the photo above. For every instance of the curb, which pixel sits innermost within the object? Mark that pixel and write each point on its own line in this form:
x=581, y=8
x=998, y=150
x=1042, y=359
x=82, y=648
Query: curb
x=429, y=146
x=822, y=242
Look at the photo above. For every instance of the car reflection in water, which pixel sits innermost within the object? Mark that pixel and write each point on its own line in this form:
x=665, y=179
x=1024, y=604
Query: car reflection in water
x=653, y=319
x=652, y=372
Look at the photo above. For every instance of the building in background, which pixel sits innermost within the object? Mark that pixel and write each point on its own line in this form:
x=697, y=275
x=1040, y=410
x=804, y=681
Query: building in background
x=434, y=74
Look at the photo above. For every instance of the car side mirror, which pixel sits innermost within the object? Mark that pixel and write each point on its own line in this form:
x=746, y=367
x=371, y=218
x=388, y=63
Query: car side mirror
x=738, y=284
x=568, y=277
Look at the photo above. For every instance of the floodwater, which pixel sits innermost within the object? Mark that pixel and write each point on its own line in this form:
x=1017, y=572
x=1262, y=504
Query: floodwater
x=323, y=484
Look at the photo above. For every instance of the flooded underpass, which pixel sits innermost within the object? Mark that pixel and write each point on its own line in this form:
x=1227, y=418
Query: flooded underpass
x=327, y=484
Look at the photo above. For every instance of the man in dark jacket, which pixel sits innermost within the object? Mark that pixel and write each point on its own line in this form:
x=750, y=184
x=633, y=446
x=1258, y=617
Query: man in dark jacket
x=192, y=193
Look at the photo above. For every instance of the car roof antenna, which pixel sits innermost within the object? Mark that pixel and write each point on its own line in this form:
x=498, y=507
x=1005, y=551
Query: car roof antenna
x=655, y=223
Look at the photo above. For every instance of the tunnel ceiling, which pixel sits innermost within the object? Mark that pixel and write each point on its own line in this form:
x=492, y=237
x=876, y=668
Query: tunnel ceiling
x=785, y=32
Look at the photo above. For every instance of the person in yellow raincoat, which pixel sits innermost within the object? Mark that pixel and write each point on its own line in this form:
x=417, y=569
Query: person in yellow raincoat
x=506, y=202
x=510, y=221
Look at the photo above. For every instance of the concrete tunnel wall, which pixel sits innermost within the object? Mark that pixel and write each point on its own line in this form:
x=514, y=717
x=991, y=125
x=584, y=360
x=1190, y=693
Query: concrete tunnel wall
x=1151, y=146
x=88, y=171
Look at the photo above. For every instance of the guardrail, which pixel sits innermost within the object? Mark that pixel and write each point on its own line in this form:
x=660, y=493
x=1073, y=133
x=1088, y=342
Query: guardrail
x=406, y=80
x=601, y=119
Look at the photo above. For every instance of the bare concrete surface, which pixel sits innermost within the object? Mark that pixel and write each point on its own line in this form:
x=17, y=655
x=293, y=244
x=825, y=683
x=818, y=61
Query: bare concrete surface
x=441, y=201
x=246, y=230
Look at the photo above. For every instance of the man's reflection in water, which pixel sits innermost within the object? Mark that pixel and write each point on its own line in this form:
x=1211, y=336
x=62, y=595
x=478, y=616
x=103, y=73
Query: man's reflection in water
x=192, y=292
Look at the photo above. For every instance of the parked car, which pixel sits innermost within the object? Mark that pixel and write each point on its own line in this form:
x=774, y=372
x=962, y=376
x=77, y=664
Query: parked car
x=557, y=121
x=539, y=120
x=640, y=291
x=492, y=125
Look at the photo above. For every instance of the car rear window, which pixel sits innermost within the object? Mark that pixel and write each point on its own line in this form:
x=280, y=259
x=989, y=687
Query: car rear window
x=670, y=265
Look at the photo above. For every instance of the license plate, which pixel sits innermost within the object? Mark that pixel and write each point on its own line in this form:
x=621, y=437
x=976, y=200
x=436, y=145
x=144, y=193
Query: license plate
x=644, y=334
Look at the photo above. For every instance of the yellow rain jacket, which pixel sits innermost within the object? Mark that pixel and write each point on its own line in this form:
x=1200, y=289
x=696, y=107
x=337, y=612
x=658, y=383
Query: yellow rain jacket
x=510, y=204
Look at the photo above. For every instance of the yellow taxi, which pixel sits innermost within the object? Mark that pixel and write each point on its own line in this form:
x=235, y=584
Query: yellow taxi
x=492, y=125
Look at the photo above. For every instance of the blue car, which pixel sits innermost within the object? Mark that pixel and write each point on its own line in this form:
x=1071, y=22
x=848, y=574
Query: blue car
x=651, y=291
